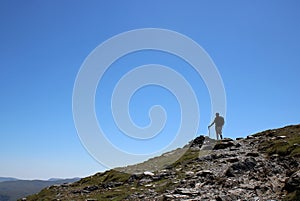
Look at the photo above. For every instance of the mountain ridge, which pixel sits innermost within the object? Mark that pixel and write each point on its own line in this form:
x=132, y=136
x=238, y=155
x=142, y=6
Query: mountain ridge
x=8, y=179
x=12, y=190
x=262, y=166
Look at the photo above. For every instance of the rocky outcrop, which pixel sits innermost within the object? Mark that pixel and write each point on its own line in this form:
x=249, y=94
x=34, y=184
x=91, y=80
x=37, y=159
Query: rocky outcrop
x=293, y=182
x=198, y=141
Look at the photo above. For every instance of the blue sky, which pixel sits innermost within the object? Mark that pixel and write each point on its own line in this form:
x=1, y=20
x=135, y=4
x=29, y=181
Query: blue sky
x=255, y=46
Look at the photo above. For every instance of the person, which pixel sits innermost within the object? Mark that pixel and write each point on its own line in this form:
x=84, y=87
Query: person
x=219, y=122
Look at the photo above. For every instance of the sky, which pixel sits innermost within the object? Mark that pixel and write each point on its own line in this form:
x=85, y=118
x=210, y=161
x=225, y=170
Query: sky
x=255, y=46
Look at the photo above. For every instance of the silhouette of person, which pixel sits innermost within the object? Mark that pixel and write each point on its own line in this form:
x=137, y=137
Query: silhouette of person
x=219, y=122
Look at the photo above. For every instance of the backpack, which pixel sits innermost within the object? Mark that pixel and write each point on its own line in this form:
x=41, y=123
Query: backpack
x=220, y=121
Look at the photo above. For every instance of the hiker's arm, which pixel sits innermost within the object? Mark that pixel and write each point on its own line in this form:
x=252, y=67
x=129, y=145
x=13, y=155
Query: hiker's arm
x=211, y=124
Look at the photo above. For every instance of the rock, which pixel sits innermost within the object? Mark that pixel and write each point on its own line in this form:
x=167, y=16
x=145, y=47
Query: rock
x=223, y=145
x=91, y=188
x=206, y=158
x=253, y=154
x=238, y=145
x=204, y=173
x=247, y=186
x=227, y=140
x=293, y=183
x=280, y=137
x=111, y=184
x=189, y=173
x=250, y=137
x=198, y=141
x=186, y=191
x=218, y=198
x=148, y=173
x=232, y=160
x=240, y=167
x=134, y=177
x=76, y=192
x=239, y=138
x=145, y=181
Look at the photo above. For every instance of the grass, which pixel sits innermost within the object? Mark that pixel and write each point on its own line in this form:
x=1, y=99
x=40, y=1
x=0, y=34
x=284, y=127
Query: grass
x=116, y=176
x=288, y=146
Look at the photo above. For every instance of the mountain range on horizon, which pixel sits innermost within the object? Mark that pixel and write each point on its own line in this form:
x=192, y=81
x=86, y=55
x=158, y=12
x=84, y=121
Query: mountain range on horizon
x=262, y=166
x=8, y=179
x=12, y=189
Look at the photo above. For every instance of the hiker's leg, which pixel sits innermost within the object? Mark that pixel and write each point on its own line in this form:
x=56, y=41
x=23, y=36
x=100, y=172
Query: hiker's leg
x=217, y=132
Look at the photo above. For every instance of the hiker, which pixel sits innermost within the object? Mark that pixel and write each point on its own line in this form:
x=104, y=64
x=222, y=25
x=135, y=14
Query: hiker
x=219, y=122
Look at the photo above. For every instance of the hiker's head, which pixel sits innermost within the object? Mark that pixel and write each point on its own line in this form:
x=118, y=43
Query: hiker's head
x=217, y=114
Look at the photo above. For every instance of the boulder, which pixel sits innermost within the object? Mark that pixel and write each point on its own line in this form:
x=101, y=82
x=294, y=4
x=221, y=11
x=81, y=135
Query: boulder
x=198, y=141
x=240, y=167
x=223, y=145
x=293, y=183
x=253, y=154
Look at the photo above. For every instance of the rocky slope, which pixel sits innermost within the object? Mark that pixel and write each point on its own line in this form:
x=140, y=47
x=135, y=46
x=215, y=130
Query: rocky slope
x=264, y=166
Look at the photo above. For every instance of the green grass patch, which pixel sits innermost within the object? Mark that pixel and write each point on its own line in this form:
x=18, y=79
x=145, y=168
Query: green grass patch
x=288, y=146
x=116, y=176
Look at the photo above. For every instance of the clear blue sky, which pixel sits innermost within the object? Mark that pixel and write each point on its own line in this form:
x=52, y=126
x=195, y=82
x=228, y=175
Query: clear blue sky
x=254, y=44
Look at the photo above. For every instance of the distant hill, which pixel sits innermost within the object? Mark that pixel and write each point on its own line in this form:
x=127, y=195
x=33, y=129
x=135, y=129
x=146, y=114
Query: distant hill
x=263, y=166
x=13, y=189
x=7, y=179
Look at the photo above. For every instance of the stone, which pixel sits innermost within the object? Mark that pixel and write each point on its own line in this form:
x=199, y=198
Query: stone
x=247, y=186
x=186, y=191
x=144, y=181
x=111, y=184
x=148, y=173
x=281, y=137
x=91, y=188
x=238, y=145
x=250, y=137
x=203, y=173
x=232, y=160
x=293, y=183
x=227, y=140
x=253, y=154
x=189, y=173
x=240, y=167
x=223, y=145
x=198, y=141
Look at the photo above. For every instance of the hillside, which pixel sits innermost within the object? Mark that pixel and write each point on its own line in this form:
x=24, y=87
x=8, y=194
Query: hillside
x=13, y=189
x=263, y=166
x=7, y=179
